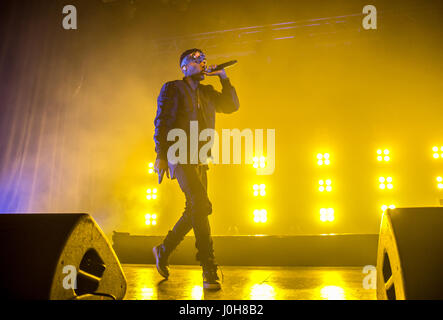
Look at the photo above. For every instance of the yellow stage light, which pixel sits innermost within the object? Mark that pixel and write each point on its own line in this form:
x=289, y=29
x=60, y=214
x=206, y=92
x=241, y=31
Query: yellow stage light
x=151, y=168
x=151, y=219
x=151, y=194
x=328, y=187
x=383, y=155
x=323, y=159
x=436, y=149
x=259, y=162
x=385, y=207
x=382, y=184
x=260, y=215
x=259, y=189
x=327, y=214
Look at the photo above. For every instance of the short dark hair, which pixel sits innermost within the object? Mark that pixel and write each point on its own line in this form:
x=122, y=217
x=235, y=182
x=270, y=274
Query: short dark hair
x=189, y=51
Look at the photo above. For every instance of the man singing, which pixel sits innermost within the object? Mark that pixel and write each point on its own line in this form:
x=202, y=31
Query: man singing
x=179, y=103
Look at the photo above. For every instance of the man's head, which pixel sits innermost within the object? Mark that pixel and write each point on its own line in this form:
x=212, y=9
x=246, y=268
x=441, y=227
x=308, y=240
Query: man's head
x=193, y=63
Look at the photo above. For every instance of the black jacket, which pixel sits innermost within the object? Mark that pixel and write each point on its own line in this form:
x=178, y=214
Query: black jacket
x=177, y=105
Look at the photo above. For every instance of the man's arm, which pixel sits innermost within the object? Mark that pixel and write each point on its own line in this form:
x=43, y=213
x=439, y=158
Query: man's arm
x=227, y=100
x=167, y=104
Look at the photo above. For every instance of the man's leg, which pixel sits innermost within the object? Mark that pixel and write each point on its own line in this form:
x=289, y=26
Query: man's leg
x=193, y=182
x=171, y=241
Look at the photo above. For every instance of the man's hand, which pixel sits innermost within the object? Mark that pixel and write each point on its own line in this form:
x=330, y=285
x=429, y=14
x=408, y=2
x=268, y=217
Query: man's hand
x=160, y=167
x=221, y=73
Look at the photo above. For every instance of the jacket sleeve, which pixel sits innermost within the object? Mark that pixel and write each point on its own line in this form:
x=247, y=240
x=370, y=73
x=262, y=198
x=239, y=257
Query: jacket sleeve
x=167, y=104
x=227, y=100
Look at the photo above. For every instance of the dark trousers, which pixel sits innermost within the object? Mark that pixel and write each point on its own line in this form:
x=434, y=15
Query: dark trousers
x=193, y=182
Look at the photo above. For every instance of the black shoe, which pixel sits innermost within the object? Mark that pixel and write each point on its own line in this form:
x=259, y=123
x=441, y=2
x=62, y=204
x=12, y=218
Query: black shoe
x=210, y=278
x=161, y=259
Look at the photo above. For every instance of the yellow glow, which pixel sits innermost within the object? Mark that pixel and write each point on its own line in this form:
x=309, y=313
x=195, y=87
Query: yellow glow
x=328, y=188
x=381, y=179
x=327, y=162
x=150, y=171
x=262, y=165
x=154, y=196
x=386, y=151
x=148, y=222
x=154, y=190
x=262, y=291
x=384, y=207
x=390, y=186
x=154, y=216
x=255, y=193
x=328, y=182
x=147, y=293
x=379, y=158
x=319, y=156
x=321, y=182
x=154, y=222
x=326, y=155
x=439, y=179
x=321, y=189
x=262, y=186
x=147, y=216
x=389, y=179
x=148, y=197
x=382, y=186
x=197, y=292
x=262, y=193
x=255, y=187
x=391, y=207
x=260, y=216
x=436, y=155
x=435, y=149
x=151, y=165
x=387, y=158
x=332, y=293
x=378, y=151
x=327, y=214
x=440, y=185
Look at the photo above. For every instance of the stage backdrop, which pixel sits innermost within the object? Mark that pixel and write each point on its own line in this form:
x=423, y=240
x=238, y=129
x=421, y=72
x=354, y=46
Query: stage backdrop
x=77, y=109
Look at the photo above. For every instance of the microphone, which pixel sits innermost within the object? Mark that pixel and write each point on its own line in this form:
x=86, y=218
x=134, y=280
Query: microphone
x=224, y=65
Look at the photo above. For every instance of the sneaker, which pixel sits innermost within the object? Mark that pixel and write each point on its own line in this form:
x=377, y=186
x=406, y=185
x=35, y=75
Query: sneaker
x=210, y=278
x=161, y=260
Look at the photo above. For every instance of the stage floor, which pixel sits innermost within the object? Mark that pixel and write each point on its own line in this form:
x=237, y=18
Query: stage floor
x=248, y=283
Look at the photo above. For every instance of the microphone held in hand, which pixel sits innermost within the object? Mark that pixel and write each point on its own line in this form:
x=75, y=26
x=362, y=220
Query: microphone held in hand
x=223, y=66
